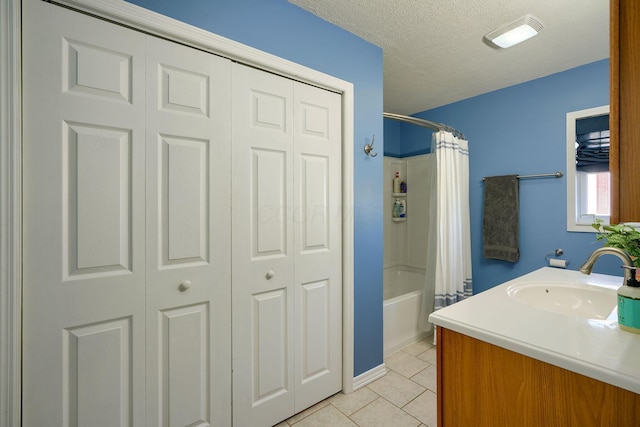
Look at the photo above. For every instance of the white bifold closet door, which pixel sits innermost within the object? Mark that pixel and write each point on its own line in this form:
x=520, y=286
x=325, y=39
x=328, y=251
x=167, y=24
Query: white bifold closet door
x=188, y=283
x=126, y=315
x=287, y=287
x=83, y=221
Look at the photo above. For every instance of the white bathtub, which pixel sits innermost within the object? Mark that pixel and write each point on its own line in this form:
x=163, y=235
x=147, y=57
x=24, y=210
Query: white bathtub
x=403, y=288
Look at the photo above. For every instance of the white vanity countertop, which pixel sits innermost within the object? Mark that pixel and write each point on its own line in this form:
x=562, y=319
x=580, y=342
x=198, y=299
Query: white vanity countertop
x=595, y=348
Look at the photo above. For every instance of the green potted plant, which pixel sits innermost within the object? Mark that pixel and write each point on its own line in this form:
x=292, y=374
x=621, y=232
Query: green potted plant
x=621, y=236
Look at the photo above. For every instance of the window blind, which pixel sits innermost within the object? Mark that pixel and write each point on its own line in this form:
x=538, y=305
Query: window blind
x=592, y=144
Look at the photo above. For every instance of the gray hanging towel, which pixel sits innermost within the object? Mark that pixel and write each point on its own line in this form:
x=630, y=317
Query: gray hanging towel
x=500, y=218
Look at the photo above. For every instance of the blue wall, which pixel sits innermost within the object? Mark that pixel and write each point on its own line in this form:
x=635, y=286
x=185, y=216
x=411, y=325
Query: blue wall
x=404, y=139
x=282, y=29
x=521, y=130
x=393, y=139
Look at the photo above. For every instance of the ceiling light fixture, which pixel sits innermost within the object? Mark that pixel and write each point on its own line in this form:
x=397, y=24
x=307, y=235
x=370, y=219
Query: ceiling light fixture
x=515, y=32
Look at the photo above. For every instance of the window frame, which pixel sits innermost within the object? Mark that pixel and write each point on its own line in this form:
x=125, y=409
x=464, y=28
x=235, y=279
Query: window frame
x=576, y=221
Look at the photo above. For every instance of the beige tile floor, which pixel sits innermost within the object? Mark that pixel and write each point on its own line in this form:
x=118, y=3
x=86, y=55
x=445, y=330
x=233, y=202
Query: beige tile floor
x=405, y=396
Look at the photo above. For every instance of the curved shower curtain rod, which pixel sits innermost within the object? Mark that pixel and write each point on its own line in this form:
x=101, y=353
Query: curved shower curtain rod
x=424, y=123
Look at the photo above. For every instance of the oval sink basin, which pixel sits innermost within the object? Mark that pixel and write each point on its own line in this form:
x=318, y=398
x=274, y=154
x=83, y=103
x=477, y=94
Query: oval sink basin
x=590, y=302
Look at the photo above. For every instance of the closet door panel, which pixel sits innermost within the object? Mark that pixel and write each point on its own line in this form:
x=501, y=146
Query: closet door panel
x=83, y=230
x=184, y=381
x=188, y=237
x=97, y=373
x=314, y=214
x=263, y=381
x=317, y=244
x=315, y=350
x=184, y=167
x=270, y=364
x=98, y=193
x=268, y=192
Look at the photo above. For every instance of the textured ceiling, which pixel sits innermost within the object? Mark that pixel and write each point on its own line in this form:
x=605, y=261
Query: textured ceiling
x=434, y=53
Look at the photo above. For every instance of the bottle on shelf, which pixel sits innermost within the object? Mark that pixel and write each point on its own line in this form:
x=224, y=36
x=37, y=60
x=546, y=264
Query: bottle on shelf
x=396, y=183
x=403, y=187
x=402, y=210
x=395, y=213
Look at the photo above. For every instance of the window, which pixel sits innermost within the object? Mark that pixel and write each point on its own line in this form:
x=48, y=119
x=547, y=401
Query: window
x=588, y=190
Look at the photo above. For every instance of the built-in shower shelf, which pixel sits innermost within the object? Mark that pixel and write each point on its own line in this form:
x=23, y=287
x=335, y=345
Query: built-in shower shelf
x=399, y=219
x=399, y=194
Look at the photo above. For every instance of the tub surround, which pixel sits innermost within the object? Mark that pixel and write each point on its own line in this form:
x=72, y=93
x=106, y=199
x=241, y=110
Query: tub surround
x=401, y=280
x=405, y=249
x=403, y=294
x=595, y=348
x=405, y=243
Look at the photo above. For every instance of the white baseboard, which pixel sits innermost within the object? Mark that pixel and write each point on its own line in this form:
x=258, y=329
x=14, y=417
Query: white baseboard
x=368, y=377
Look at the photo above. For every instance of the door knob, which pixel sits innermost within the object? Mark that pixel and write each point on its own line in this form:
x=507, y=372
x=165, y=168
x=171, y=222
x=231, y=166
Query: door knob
x=184, y=285
x=270, y=274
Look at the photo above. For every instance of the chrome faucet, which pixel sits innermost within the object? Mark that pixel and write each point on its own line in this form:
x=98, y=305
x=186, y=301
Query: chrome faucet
x=627, y=262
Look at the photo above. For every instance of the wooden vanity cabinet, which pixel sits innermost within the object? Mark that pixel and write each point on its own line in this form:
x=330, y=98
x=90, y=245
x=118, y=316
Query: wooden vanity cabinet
x=483, y=385
x=624, y=116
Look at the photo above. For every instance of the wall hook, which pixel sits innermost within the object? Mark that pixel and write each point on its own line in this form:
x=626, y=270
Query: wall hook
x=368, y=148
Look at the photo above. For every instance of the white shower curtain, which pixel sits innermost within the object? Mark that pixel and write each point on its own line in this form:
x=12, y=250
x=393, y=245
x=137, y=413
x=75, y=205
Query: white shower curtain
x=448, y=267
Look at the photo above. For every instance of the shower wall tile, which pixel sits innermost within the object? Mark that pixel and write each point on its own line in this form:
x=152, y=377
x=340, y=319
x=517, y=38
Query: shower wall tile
x=405, y=243
x=420, y=179
x=395, y=233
